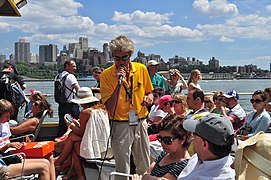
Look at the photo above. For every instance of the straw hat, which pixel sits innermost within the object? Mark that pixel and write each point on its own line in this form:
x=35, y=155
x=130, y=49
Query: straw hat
x=84, y=95
x=253, y=158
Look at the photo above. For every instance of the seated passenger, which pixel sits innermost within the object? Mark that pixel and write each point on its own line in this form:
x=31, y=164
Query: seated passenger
x=213, y=140
x=39, y=105
x=45, y=168
x=89, y=134
x=236, y=113
x=258, y=119
x=174, y=157
x=180, y=105
x=218, y=100
x=209, y=103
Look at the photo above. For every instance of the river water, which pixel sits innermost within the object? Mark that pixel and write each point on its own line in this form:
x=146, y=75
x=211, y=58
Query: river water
x=241, y=86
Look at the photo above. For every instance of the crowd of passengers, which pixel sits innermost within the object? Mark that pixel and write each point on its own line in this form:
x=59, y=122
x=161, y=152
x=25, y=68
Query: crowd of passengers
x=190, y=136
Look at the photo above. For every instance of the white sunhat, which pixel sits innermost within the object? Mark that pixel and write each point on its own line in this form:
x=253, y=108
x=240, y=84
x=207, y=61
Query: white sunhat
x=84, y=95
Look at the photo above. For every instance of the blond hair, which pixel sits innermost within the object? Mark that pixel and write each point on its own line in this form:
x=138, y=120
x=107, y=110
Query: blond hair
x=122, y=44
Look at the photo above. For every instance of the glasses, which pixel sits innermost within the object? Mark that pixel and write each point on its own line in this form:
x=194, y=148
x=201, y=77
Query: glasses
x=122, y=58
x=167, y=139
x=207, y=101
x=257, y=101
x=177, y=101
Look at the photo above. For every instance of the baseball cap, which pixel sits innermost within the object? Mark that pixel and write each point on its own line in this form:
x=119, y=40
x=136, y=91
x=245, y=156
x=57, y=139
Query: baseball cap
x=14, y=67
x=164, y=99
x=231, y=93
x=213, y=127
x=152, y=63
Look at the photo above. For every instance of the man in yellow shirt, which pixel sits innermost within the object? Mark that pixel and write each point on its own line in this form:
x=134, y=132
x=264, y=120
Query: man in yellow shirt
x=126, y=91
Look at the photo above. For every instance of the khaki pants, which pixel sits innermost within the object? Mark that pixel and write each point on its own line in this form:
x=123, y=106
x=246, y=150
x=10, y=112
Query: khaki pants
x=130, y=139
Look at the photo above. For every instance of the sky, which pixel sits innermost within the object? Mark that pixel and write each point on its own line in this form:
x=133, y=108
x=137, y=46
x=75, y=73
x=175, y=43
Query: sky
x=236, y=32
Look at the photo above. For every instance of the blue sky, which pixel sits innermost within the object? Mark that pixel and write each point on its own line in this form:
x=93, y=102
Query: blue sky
x=237, y=32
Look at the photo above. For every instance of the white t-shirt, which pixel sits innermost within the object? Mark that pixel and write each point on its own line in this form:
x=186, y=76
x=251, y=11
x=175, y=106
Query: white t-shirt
x=70, y=80
x=4, y=134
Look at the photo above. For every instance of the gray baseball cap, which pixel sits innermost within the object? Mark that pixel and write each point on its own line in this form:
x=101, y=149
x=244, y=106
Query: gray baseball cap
x=214, y=128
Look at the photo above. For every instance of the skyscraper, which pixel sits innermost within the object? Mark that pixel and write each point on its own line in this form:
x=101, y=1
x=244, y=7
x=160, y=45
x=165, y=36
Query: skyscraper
x=22, y=51
x=83, y=41
x=48, y=53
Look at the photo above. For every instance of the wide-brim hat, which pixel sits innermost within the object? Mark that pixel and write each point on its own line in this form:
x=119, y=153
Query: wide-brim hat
x=84, y=95
x=253, y=157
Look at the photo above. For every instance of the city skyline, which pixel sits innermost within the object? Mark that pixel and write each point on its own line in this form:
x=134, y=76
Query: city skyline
x=235, y=32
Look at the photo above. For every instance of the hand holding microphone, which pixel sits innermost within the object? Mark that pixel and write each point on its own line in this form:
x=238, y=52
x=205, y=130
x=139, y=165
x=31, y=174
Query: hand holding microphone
x=121, y=73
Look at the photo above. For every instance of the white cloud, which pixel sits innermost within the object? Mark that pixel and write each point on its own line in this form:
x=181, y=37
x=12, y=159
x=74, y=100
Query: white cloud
x=215, y=8
x=225, y=39
x=265, y=58
x=140, y=18
x=268, y=8
x=245, y=27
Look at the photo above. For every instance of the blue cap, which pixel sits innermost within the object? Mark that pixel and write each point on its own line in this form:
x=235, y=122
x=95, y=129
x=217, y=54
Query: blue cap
x=232, y=93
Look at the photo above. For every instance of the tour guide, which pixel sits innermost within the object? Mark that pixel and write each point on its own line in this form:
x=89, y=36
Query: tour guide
x=126, y=91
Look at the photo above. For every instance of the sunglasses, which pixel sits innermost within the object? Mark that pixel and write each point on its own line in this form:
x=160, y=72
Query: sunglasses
x=167, y=139
x=177, y=101
x=206, y=101
x=122, y=58
x=257, y=101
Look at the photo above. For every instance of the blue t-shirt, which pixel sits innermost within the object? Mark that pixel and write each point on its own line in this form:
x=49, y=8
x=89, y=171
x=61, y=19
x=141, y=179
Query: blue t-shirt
x=158, y=81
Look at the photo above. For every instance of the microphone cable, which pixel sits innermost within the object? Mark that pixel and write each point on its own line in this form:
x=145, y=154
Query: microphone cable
x=110, y=135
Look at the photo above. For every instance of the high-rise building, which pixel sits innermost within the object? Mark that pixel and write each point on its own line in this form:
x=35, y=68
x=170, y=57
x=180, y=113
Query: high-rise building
x=106, y=52
x=214, y=62
x=2, y=58
x=83, y=41
x=72, y=49
x=22, y=51
x=48, y=54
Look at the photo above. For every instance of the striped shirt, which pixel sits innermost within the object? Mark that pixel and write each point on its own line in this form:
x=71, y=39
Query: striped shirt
x=173, y=168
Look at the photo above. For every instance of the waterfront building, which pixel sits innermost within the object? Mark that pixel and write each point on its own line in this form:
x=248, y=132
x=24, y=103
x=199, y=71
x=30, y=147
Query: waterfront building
x=177, y=61
x=106, y=52
x=83, y=41
x=22, y=51
x=2, y=58
x=73, y=50
x=47, y=54
x=214, y=62
x=34, y=58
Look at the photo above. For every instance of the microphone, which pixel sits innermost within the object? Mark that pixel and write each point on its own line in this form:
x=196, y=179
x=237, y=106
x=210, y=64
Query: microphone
x=120, y=79
x=121, y=76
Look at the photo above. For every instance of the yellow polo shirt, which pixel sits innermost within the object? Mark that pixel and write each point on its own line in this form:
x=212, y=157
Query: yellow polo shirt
x=141, y=86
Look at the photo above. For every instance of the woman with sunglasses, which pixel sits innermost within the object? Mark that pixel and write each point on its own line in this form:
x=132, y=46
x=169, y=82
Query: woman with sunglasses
x=42, y=166
x=218, y=101
x=174, y=157
x=39, y=105
x=257, y=120
x=175, y=87
x=180, y=105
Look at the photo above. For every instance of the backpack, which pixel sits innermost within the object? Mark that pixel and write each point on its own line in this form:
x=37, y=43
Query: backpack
x=59, y=91
x=13, y=91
